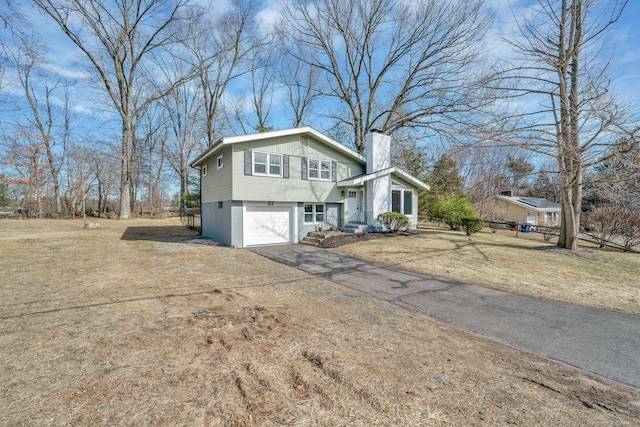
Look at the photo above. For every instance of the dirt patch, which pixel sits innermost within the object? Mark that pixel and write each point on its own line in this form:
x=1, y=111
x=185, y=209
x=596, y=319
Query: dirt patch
x=100, y=330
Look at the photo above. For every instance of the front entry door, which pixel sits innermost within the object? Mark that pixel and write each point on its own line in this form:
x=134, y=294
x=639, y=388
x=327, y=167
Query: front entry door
x=354, y=204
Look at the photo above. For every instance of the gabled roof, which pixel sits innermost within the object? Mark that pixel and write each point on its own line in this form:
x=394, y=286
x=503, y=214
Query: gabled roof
x=533, y=203
x=228, y=140
x=361, y=179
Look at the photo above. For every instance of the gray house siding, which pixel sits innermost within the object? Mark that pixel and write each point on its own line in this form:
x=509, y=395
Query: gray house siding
x=236, y=223
x=294, y=188
x=216, y=185
x=333, y=212
x=217, y=222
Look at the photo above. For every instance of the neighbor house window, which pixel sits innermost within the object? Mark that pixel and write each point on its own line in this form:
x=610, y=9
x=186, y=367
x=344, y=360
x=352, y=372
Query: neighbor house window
x=402, y=201
x=313, y=213
x=267, y=164
x=204, y=170
x=220, y=163
x=320, y=169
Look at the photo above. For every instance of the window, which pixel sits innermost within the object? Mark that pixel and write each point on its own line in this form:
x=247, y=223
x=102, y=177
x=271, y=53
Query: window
x=313, y=169
x=313, y=213
x=353, y=194
x=220, y=163
x=275, y=164
x=267, y=164
x=320, y=169
x=396, y=201
x=220, y=204
x=204, y=170
x=259, y=163
x=408, y=202
x=402, y=201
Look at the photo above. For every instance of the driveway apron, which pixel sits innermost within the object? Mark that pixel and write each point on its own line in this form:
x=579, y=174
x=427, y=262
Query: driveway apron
x=601, y=341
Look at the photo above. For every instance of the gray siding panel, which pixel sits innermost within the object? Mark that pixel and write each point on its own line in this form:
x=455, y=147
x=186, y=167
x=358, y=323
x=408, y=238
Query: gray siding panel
x=216, y=222
x=216, y=186
x=236, y=223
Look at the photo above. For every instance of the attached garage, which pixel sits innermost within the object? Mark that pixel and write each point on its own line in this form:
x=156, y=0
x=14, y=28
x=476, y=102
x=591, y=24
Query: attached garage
x=265, y=225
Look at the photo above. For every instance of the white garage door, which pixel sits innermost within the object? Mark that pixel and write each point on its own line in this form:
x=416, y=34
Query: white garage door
x=266, y=225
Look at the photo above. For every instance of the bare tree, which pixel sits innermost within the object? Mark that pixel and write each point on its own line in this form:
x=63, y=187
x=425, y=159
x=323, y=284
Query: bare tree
x=389, y=64
x=25, y=162
x=302, y=85
x=561, y=70
x=53, y=129
x=117, y=37
x=218, y=48
x=183, y=109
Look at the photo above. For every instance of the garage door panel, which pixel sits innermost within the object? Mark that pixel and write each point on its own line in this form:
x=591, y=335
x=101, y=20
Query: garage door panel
x=267, y=225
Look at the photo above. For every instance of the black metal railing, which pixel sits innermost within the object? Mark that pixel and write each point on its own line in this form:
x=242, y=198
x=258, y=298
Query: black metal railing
x=361, y=218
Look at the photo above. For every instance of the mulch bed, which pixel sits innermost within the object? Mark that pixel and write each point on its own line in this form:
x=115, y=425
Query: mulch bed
x=349, y=238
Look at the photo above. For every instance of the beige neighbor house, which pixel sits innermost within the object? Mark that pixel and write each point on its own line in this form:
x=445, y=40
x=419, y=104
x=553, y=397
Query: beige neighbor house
x=275, y=187
x=529, y=211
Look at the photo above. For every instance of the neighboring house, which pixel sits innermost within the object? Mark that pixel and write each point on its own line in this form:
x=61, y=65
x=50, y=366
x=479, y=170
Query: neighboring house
x=275, y=187
x=525, y=210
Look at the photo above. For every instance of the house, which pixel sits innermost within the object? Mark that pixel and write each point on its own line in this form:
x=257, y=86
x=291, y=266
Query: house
x=275, y=187
x=525, y=210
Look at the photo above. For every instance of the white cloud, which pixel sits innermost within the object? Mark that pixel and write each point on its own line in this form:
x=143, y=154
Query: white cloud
x=268, y=16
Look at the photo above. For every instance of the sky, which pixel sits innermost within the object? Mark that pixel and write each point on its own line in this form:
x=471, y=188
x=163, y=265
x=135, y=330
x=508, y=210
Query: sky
x=65, y=58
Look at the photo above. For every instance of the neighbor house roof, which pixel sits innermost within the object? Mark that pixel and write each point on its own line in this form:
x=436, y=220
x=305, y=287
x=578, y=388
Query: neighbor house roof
x=533, y=203
x=228, y=140
x=361, y=179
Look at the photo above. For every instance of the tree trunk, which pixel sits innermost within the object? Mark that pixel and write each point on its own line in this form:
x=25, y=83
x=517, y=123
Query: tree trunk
x=126, y=175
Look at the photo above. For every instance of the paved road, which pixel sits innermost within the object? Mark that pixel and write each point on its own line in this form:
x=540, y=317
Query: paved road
x=600, y=341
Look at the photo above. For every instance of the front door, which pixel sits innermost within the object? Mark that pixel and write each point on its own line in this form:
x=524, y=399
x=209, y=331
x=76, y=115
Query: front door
x=354, y=204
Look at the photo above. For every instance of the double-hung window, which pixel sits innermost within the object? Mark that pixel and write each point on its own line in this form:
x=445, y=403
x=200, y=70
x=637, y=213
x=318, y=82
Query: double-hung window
x=313, y=213
x=267, y=164
x=320, y=169
x=402, y=201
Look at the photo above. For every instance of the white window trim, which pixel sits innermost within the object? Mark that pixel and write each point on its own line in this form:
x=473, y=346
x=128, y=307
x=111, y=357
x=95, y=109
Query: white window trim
x=267, y=165
x=220, y=161
x=319, y=177
x=314, y=212
x=402, y=191
x=204, y=170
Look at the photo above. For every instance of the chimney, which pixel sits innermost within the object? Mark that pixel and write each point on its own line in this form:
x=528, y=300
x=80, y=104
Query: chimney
x=378, y=148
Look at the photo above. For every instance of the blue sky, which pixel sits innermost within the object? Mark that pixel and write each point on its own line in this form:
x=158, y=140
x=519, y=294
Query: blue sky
x=65, y=57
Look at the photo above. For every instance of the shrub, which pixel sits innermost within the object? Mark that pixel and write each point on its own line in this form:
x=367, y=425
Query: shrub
x=393, y=221
x=611, y=224
x=603, y=224
x=451, y=209
x=471, y=224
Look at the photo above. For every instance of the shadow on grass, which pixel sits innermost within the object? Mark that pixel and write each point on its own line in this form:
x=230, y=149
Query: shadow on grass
x=159, y=234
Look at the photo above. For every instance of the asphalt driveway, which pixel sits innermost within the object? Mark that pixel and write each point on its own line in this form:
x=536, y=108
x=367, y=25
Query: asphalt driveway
x=603, y=342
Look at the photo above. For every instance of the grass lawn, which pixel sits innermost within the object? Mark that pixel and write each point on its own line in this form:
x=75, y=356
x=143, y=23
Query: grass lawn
x=138, y=322
x=525, y=265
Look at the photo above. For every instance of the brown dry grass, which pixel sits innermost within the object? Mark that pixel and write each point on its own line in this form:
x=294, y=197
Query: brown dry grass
x=525, y=265
x=134, y=323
